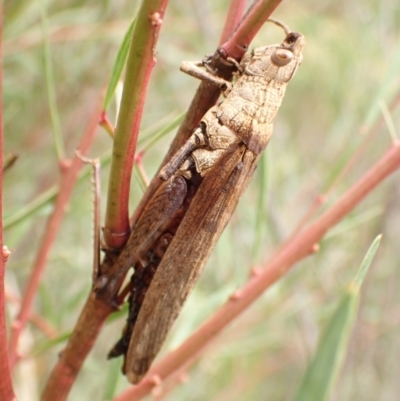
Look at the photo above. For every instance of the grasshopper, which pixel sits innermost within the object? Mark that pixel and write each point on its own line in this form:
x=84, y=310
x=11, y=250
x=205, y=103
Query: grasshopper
x=202, y=184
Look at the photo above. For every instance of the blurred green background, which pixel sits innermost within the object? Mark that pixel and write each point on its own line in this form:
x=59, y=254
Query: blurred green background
x=349, y=74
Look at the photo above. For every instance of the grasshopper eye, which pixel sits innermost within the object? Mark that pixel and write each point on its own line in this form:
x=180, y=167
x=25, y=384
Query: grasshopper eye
x=281, y=57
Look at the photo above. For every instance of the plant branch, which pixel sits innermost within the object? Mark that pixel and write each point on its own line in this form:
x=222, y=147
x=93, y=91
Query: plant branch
x=235, y=14
x=252, y=22
x=280, y=263
x=141, y=60
x=67, y=184
x=51, y=92
x=80, y=343
x=6, y=389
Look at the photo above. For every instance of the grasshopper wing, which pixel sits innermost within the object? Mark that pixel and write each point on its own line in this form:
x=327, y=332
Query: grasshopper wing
x=210, y=211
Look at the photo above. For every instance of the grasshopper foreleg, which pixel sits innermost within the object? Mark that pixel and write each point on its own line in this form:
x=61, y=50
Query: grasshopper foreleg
x=96, y=186
x=196, y=69
x=196, y=140
x=203, y=148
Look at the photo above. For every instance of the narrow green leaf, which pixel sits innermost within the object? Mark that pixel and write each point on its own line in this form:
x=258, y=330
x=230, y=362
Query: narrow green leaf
x=118, y=66
x=362, y=271
x=139, y=178
x=51, y=91
x=324, y=369
x=112, y=379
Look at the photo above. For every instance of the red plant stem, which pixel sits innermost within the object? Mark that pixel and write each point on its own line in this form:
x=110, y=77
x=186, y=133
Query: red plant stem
x=67, y=184
x=6, y=389
x=254, y=19
x=140, y=63
x=280, y=263
x=106, y=124
x=85, y=332
x=81, y=342
x=233, y=18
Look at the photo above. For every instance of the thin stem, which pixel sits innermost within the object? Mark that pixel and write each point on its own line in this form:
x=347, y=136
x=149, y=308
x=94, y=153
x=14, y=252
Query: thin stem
x=62, y=377
x=106, y=124
x=252, y=22
x=51, y=94
x=235, y=14
x=141, y=61
x=6, y=389
x=67, y=184
x=389, y=121
x=295, y=249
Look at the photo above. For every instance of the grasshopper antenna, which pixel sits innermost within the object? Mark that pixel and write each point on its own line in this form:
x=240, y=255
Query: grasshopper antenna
x=96, y=188
x=280, y=24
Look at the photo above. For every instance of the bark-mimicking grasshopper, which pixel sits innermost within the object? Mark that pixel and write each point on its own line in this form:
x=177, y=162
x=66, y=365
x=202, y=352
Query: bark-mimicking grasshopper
x=203, y=182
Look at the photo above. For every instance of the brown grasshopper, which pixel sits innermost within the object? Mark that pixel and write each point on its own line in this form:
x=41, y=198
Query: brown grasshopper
x=202, y=184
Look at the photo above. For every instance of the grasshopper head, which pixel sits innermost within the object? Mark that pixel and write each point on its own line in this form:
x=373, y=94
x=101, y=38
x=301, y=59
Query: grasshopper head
x=288, y=56
x=277, y=62
x=291, y=48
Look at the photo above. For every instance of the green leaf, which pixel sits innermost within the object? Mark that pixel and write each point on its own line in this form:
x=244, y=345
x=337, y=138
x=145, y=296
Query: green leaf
x=118, y=66
x=112, y=378
x=51, y=91
x=324, y=369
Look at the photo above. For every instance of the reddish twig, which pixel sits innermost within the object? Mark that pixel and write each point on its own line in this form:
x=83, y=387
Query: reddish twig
x=95, y=312
x=252, y=22
x=106, y=124
x=67, y=184
x=81, y=342
x=235, y=14
x=140, y=63
x=289, y=254
x=6, y=389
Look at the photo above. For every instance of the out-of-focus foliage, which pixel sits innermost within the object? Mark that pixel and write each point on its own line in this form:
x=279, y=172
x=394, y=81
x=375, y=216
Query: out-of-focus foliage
x=323, y=370
x=350, y=71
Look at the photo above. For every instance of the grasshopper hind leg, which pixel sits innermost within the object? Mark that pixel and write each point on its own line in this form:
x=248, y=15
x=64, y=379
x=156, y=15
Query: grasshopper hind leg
x=173, y=203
